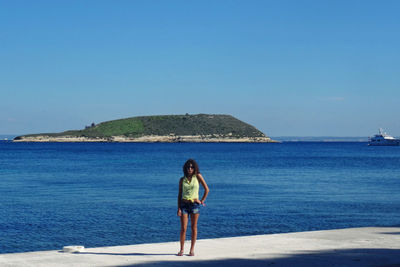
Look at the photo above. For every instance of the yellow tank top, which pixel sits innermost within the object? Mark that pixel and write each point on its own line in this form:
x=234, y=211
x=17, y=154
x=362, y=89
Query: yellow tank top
x=190, y=190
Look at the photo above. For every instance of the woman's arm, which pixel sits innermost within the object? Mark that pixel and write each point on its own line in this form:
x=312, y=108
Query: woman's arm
x=179, y=213
x=206, y=189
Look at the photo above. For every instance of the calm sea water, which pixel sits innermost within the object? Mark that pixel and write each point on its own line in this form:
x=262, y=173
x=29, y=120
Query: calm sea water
x=105, y=194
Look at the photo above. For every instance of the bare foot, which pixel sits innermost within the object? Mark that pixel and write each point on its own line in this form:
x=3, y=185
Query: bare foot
x=180, y=253
x=191, y=253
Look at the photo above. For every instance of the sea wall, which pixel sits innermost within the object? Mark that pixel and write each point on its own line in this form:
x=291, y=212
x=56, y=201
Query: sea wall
x=146, y=139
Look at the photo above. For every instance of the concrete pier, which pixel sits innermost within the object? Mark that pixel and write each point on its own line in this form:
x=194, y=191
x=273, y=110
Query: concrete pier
x=370, y=246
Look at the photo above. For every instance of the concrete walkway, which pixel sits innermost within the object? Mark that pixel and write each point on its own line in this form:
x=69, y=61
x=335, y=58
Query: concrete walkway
x=371, y=246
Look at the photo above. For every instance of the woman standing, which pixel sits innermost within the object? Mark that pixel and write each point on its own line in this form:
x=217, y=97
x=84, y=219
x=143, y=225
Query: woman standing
x=188, y=201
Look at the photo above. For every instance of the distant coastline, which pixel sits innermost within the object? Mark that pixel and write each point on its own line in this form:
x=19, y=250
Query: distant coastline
x=320, y=138
x=8, y=137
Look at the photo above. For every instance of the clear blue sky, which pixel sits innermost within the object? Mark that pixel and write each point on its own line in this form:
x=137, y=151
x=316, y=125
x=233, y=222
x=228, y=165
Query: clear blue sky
x=303, y=68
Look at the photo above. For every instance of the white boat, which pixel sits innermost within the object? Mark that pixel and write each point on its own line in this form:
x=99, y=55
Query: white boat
x=383, y=139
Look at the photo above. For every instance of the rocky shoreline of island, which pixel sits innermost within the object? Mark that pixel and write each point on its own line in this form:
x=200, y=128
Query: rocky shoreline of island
x=147, y=139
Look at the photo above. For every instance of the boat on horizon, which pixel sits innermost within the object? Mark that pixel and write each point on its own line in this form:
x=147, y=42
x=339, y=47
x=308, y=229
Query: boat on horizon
x=383, y=139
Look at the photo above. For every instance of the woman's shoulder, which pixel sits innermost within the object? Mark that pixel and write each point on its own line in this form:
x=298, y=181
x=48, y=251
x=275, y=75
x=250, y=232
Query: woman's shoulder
x=199, y=176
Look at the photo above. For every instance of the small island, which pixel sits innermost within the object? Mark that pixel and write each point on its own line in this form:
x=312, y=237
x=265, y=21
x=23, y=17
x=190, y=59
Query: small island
x=162, y=128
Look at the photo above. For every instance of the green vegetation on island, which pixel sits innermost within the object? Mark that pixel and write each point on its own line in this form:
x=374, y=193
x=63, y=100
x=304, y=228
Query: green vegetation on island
x=224, y=126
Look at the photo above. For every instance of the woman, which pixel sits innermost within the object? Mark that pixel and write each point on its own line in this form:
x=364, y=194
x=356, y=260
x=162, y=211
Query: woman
x=188, y=201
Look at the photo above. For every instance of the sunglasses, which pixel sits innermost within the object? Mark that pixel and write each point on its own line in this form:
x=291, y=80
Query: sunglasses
x=190, y=167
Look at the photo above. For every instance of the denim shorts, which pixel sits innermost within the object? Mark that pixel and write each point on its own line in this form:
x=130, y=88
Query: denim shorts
x=190, y=208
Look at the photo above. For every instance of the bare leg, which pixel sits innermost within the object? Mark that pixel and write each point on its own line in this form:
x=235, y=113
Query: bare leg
x=193, y=220
x=184, y=221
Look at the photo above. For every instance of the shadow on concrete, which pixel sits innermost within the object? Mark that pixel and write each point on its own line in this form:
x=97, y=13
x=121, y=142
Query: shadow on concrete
x=390, y=233
x=125, y=254
x=347, y=257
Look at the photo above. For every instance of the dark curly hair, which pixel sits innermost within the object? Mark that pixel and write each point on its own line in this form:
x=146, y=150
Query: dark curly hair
x=192, y=162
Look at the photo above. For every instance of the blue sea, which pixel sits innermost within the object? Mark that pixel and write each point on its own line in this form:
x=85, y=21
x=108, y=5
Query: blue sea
x=106, y=194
